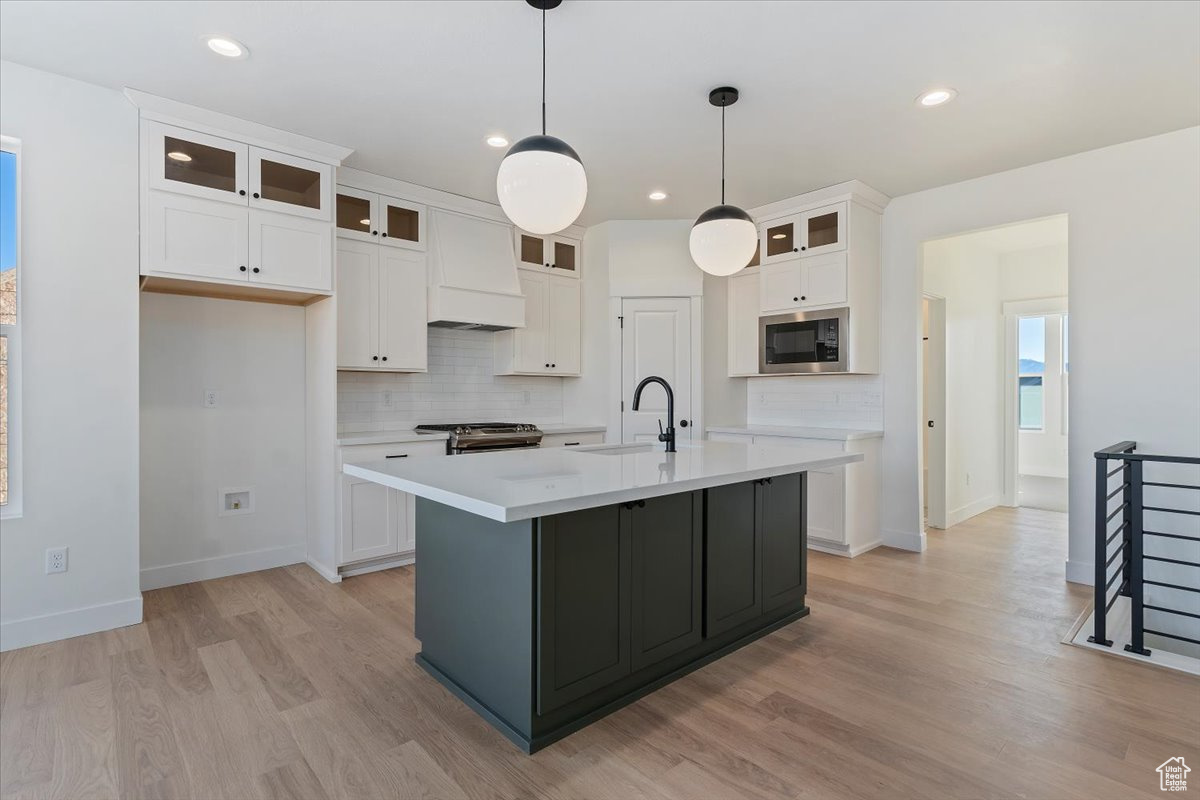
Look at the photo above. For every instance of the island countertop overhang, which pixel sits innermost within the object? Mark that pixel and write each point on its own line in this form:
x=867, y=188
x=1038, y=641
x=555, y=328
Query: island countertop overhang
x=514, y=485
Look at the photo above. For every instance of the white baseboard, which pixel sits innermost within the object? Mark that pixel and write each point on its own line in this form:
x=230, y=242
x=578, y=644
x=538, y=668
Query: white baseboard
x=903, y=540
x=838, y=549
x=970, y=510
x=404, y=560
x=66, y=624
x=1081, y=572
x=325, y=572
x=204, y=569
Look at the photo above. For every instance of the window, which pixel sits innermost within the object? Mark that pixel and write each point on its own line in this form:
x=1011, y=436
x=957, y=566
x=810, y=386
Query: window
x=1031, y=369
x=10, y=330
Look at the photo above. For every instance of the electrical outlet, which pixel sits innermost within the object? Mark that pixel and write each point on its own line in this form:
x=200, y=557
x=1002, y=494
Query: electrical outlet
x=525, y=398
x=387, y=399
x=56, y=559
x=210, y=398
x=968, y=479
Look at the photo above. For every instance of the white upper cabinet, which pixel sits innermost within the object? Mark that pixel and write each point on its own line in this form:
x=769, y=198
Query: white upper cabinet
x=289, y=185
x=218, y=211
x=196, y=164
x=804, y=283
x=549, y=344
x=556, y=254
x=381, y=309
x=743, y=303
x=809, y=233
x=370, y=217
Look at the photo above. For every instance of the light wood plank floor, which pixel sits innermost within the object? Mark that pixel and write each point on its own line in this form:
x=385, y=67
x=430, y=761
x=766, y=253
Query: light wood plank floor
x=916, y=676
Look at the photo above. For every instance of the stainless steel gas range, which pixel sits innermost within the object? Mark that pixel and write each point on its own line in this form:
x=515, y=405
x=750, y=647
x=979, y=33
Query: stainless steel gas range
x=481, y=437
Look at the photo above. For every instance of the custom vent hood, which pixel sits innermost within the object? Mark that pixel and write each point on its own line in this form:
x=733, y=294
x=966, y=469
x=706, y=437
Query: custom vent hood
x=472, y=274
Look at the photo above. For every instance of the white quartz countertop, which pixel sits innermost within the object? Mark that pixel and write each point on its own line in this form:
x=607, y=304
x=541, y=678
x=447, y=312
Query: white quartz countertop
x=389, y=437
x=799, y=431
x=569, y=428
x=514, y=485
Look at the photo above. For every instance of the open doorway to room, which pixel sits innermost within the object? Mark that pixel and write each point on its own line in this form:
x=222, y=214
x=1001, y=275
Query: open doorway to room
x=994, y=371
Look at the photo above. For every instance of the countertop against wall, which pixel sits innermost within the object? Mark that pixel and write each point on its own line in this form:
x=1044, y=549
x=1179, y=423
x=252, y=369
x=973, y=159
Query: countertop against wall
x=799, y=431
x=409, y=435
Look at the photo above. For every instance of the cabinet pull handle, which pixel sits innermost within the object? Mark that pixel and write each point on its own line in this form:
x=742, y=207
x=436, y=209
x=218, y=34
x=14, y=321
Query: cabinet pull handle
x=570, y=444
x=638, y=503
x=398, y=455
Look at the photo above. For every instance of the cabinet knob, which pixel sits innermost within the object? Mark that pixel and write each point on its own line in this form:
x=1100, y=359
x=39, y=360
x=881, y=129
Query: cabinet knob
x=385, y=358
x=802, y=247
x=256, y=195
x=547, y=263
x=374, y=358
x=802, y=297
x=243, y=269
x=374, y=233
x=242, y=192
x=547, y=365
x=795, y=249
x=256, y=270
x=384, y=234
x=553, y=366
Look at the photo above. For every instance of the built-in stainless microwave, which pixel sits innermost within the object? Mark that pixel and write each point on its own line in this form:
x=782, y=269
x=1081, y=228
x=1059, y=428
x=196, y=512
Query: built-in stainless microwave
x=803, y=341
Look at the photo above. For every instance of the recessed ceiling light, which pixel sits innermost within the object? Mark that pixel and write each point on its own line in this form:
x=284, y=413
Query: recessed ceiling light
x=936, y=97
x=178, y=156
x=364, y=222
x=497, y=141
x=657, y=194
x=224, y=46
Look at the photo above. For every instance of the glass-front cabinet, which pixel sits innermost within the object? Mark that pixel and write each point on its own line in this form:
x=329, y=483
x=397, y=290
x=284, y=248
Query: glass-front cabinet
x=289, y=185
x=371, y=217
x=821, y=230
x=188, y=162
x=558, y=254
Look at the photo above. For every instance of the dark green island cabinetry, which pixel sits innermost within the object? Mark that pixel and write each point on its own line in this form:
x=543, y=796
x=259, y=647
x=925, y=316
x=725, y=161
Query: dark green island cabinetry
x=545, y=625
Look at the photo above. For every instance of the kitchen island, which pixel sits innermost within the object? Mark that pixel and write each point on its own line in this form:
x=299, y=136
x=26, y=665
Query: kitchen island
x=555, y=586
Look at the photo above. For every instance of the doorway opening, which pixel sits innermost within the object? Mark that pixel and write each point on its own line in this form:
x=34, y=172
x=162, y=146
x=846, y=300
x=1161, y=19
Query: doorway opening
x=994, y=371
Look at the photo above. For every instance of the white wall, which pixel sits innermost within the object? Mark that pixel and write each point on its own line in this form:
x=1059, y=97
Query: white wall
x=253, y=356
x=832, y=401
x=1134, y=257
x=1033, y=273
x=966, y=274
x=724, y=397
x=80, y=379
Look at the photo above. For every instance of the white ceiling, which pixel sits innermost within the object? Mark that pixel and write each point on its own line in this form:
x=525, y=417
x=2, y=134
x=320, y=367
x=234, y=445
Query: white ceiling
x=827, y=88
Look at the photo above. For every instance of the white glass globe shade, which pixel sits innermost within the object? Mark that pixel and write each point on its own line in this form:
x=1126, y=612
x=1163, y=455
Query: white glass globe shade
x=723, y=246
x=541, y=191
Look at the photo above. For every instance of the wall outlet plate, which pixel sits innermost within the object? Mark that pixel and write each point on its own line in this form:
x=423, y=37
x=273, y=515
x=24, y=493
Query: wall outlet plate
x=210, y=398
x=56, y=560
x=235, y=500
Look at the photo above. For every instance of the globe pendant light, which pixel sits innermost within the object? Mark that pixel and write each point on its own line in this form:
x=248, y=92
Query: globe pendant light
x=723, y=238
x=541, y=182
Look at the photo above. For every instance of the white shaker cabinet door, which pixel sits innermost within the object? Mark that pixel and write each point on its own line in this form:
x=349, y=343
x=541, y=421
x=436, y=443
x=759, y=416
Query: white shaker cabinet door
x=826, y=504
x=743, y=305
x=358, y=305
x=403, y=321
x=193, y=236
x=564, y=343
x=531, y=343
x=286, y=250
x=823, y=280
x=370, y=522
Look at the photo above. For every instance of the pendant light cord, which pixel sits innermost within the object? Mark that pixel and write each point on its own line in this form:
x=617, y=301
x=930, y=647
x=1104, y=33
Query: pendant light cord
x=722, y=155
x=543, y=70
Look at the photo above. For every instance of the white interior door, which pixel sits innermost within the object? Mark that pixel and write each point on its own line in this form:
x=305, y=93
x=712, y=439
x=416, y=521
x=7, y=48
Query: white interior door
x=934, y=422
x=656, y=335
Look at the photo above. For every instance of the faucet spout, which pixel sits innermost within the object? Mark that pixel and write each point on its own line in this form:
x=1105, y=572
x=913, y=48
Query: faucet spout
x=666, y=436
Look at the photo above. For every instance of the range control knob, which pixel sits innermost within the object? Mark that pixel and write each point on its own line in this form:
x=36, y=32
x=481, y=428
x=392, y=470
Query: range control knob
x=459, y=431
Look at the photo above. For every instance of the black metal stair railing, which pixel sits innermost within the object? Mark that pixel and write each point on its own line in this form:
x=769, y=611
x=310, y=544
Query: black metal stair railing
x=1124, y=565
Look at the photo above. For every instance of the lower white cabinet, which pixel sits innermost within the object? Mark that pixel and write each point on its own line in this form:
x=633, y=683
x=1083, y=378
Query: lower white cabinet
x=843, y=502
x=572, y=439
x=549, y=344
x=374, y=521
x=381, y=308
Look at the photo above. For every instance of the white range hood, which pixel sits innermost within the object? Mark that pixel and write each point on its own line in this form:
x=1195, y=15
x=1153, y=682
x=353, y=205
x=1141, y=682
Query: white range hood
x=472, y=274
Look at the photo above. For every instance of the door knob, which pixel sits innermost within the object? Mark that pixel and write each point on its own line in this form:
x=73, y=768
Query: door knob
x=683, y=423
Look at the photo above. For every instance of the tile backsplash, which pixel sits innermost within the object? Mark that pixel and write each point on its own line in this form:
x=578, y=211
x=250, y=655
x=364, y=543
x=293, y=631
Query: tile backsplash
x=459, y=387
x=833, y=401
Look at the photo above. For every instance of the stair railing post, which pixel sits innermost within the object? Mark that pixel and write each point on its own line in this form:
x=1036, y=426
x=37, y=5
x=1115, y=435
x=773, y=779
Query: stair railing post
x=1099, y=634
x=1136, y=587
x=1127, y=523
